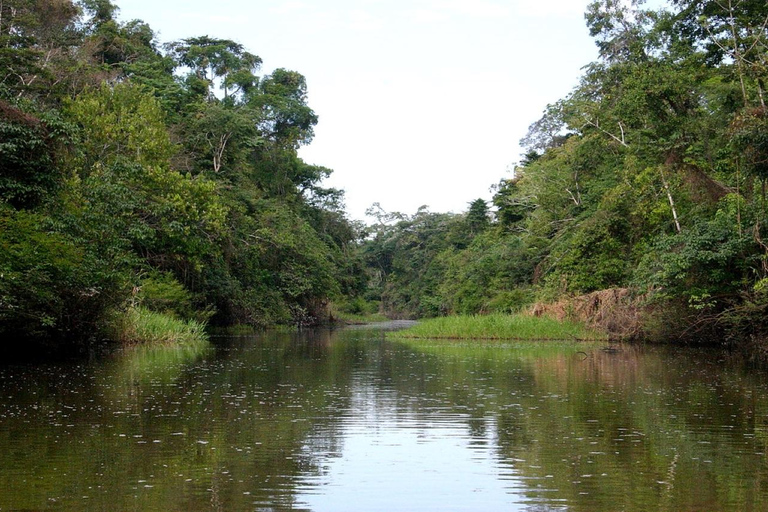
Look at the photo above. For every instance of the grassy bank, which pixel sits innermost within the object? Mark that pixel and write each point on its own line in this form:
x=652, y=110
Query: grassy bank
x=141, y=326
x=499, y=327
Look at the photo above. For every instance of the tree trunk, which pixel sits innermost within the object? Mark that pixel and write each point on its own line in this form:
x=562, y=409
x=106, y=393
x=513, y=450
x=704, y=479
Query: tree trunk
x=671, y=199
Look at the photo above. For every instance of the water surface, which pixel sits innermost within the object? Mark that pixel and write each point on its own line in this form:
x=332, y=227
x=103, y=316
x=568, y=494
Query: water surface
x=346, y=420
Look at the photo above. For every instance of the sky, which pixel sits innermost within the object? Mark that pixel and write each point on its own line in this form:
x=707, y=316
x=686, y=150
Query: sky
x=420, y=102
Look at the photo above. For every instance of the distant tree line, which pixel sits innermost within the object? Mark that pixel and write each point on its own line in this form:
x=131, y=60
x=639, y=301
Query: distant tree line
x=650, y=175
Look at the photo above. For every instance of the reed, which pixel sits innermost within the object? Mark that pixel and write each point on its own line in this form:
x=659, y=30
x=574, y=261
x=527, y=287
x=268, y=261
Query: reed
x=139, y=325
x=498, y=327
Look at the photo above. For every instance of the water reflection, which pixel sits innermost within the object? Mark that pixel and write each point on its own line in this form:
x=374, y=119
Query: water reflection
x=408, y=454
x=347, y=420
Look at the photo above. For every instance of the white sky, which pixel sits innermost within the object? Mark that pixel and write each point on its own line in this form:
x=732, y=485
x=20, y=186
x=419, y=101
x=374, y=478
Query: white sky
x=421, y=102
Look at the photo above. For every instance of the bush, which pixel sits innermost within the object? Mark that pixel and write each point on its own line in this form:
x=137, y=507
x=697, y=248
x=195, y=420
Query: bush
x=162, y=293
x=51, y=289
x=512, y=301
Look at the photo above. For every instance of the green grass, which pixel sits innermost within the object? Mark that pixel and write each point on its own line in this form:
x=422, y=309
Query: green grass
x=498, y=327
x=139, y=325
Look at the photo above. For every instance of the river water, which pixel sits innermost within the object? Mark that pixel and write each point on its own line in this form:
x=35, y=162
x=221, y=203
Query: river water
x=350, y=421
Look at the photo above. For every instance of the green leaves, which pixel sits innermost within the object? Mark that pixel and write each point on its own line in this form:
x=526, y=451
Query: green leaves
x=712, y=258
x=119, y=174
x=49, y=288
x=749, y=137
x=211, y=59
x=621, y=29
x=30, y=148
x=286, y=118
x=120, y=121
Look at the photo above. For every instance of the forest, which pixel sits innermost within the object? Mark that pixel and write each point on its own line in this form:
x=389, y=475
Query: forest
x=640, y=201
x=142, y=178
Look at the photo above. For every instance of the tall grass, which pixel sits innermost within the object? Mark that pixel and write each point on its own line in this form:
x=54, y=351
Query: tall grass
x=498, y=327
x=139, y=325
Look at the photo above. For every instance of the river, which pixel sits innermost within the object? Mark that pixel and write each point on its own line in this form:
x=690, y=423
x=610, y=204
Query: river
x=348, y=420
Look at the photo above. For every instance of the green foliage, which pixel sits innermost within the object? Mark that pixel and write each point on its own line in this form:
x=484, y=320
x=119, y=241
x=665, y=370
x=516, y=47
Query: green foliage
x=481, y=278
x=128, y=194
x=359, y=306
x=651, y=173
x=173, y=180
x=594, y=256
x=478, y=218
x=750, y=139
x=355, y=311
x=220, y=138
x=50, y=289
x=403, y=260
x=162, y=293
x=510, y=301
x=511, y=207
x=708, y=263
x=620, y=32
x=120, y=121
x=286, y=117
x=748, y=319
x=35, y=38
x=126, y=186
x=437, y=264
x=30, y=148
x=211, y=59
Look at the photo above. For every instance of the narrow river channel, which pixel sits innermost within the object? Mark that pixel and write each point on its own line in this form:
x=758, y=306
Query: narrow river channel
x=347, y=420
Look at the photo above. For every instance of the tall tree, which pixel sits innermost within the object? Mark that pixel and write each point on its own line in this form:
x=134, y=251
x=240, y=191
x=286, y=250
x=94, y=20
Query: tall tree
x=731, y=31
x=217, y=63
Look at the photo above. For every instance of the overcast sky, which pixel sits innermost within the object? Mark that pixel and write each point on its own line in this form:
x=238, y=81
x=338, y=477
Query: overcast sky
x=421, y=102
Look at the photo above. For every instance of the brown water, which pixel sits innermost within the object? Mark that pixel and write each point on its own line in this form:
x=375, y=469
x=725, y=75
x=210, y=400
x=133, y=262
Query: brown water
x=349, y=421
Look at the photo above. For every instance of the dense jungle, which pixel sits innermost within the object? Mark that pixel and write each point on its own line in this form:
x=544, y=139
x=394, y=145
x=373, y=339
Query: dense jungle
x=144, y=182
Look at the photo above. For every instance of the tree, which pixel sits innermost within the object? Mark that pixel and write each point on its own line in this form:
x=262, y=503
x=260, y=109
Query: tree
x=734, y=31
x=52, y=292
x=286, y=118
x=211, y=60
x=220, y=138
x=621, y=29
x=126, y=191
x=478, y=218
x=30, y=149
x=35, y=37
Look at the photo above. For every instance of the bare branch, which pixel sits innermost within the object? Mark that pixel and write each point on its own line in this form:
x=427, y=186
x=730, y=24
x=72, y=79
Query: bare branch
x=620, y=140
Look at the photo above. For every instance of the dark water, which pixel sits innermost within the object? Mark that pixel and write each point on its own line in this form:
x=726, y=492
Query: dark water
x=349, y=421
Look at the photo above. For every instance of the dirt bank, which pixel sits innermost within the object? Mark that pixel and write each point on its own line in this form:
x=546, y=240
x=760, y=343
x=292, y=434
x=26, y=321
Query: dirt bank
x=616, y=311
